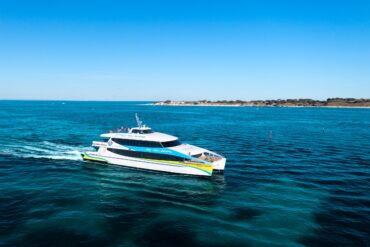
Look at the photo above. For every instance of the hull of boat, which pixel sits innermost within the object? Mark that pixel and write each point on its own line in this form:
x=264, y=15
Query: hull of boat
x=219, y=165
x=155, y=165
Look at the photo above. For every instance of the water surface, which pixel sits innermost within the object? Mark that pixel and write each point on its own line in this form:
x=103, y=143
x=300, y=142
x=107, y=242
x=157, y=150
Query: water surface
x=294, y=177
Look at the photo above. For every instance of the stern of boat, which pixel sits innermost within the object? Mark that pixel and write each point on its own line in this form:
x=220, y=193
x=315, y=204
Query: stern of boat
x=219, y=165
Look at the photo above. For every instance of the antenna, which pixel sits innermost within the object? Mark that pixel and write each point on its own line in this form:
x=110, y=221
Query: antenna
x=139, y=123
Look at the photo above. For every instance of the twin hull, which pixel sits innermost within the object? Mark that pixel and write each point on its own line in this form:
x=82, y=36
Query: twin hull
x=158, y=165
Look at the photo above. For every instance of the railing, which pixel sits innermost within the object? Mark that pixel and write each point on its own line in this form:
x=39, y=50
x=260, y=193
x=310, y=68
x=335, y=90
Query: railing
x=99, y=144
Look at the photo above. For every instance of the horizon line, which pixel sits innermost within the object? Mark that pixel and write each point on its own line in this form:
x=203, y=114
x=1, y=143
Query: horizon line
x=105, y=100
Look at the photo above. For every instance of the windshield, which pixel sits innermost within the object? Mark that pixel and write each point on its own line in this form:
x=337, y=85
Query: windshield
x=147, y=131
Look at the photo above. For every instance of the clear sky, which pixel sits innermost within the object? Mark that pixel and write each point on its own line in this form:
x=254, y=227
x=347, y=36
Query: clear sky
x=157, y=50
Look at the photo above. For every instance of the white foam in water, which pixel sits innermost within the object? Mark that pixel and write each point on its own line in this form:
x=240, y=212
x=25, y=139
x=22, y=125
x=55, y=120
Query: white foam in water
x=44, y=150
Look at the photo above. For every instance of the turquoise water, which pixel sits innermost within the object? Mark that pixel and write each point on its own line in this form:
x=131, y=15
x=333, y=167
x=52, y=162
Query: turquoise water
x=307, y=185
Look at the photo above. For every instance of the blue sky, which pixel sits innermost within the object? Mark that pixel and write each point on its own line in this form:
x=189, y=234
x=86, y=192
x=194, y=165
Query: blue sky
x=184, y=50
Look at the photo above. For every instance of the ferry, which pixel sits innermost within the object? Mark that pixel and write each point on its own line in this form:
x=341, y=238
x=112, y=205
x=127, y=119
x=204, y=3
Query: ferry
x=141, y=147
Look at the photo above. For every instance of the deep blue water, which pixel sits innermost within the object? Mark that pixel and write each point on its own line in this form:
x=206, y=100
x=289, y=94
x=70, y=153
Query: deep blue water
x=307, y=186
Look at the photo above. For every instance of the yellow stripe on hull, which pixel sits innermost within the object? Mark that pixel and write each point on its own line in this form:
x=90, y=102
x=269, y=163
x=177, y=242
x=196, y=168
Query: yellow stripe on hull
x=206, y=168
x=88, y=157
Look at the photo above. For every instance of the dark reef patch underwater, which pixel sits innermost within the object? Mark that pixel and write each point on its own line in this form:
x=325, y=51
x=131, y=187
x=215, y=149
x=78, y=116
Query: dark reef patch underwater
x=307, y=186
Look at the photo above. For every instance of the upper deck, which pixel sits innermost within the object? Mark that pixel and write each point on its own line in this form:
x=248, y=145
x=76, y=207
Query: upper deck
x=154, y=136
x=140, y=133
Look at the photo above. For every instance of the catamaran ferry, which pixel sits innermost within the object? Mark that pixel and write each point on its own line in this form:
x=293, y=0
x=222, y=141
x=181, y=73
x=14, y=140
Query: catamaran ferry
x=140, y=147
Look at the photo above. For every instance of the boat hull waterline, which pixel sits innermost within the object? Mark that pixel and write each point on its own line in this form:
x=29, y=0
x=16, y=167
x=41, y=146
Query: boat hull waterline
x=155, y=165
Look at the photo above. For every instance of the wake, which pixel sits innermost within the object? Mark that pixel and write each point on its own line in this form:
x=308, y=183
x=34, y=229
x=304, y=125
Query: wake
x=43, y=150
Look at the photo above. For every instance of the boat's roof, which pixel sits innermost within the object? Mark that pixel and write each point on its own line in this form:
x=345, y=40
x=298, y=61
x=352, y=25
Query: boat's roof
x=189, y=149
x=141, y=128
x=155, y=136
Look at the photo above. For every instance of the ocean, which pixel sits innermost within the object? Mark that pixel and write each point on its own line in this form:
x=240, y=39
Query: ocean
x=294, y=177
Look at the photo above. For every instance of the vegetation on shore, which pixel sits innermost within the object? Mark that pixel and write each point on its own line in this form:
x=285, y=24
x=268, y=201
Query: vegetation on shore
x=331, y=102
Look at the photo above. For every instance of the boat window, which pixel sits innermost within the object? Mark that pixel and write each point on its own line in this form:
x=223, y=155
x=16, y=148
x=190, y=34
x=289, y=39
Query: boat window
x=146, y=155
x=137, y=131
x=137, y=143
x=171, y=143
x=197, y=155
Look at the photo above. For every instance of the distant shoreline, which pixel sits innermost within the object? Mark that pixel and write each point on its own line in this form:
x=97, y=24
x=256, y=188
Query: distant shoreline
x=329, y=103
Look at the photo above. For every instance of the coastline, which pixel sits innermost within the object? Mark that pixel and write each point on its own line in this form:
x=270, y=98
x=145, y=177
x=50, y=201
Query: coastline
x=296, y=103
x=174, y=105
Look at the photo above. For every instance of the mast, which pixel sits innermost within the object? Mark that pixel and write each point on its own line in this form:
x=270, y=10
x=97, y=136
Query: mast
x=139, y=123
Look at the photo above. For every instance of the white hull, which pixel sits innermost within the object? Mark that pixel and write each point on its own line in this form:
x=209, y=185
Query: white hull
x=155, y=165
x=219, y=164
